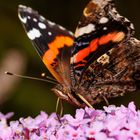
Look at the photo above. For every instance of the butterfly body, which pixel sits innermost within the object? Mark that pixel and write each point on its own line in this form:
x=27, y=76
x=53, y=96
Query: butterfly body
x=101, y=60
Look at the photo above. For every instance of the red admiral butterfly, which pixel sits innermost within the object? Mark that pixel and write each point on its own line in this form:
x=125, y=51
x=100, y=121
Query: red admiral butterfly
x=101, y=60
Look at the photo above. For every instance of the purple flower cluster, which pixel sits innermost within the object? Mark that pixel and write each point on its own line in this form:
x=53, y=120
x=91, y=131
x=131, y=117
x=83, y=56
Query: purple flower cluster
x=112, y=123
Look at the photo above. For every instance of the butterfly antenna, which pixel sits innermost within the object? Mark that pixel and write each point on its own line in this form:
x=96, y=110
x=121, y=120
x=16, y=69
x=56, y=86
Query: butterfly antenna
x=48, y=77
x=29, y=77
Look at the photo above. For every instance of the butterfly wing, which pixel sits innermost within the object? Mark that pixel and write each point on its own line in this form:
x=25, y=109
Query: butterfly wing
x=52, y=42
x=105, y=58
x=119, y=75
x=100, y=29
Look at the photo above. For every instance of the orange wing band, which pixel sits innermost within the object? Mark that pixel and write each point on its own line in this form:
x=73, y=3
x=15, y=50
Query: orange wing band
x=95, y=43
x=51, y=54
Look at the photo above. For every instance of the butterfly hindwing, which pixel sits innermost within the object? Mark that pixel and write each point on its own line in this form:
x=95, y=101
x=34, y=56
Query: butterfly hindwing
x=100, y=29
x=52, y=42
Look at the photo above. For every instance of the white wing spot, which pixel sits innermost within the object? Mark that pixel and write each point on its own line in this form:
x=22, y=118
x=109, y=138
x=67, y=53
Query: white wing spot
x=118, y=16
x=49, y=33
x=85, y=30
x=34, y=19
x=105, y=28
x=61, y=27
x=114, y=10
x=103, y=20
x=132, y=26
x=34, y=33
x=126, y=20
x=71, y=33
x=22, y=6
x=42, y=18
x=51, y=23
x=29, y=17
x=42, y=25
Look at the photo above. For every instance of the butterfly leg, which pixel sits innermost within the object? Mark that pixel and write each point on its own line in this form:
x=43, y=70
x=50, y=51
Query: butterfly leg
x=105, y=99
x=59, y=102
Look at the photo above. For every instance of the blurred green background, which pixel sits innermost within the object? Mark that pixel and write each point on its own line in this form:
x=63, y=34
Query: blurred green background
x=28, y=97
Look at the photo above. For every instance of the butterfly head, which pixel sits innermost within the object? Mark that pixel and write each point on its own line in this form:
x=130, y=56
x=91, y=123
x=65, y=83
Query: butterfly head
x=65, y=93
